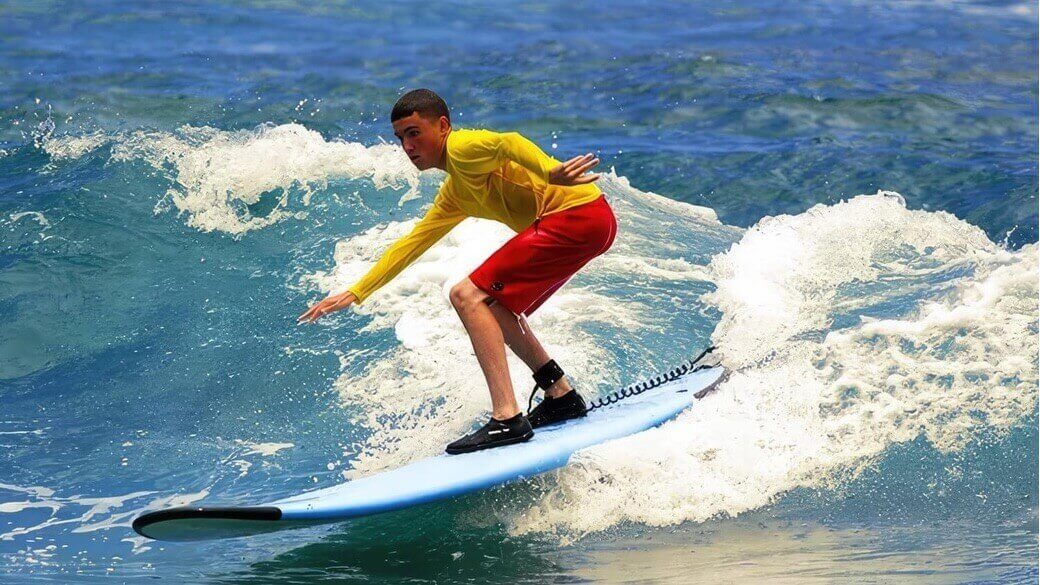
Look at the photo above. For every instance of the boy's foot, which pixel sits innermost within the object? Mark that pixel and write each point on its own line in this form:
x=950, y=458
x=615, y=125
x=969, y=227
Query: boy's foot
x=553, y=410
x=495, y=433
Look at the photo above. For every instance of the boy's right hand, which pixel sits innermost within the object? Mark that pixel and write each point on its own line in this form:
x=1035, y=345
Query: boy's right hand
x=329, y=304
x=572, y=172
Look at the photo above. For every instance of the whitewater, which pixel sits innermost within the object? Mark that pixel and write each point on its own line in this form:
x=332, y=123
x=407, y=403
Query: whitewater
x=849, y=328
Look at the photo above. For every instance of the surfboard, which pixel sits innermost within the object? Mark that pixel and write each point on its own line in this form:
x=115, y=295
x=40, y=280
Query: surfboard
x=630, y=410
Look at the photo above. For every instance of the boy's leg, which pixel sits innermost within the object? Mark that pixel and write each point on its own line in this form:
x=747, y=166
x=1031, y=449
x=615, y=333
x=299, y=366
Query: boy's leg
x=525, y=345
x=488, y=345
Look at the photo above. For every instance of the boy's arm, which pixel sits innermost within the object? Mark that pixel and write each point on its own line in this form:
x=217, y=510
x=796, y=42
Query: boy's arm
x=484, y=151
x=438, y=221
x=515, y=147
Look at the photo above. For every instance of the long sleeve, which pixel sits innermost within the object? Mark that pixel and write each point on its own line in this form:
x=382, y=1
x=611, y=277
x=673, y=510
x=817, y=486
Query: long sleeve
x=438, y=221
x=483, y=151
x=525, y=153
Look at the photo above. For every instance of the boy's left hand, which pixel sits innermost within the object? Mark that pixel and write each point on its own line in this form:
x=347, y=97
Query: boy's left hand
x=328, y=305
x=573, y=171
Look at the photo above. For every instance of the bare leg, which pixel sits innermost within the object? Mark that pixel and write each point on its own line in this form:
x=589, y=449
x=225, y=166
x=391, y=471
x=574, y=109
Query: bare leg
x=526, y=346
x=488, y=345
x=489, y=328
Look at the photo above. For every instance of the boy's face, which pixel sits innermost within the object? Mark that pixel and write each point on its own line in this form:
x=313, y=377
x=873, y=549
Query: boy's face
x=422, y=139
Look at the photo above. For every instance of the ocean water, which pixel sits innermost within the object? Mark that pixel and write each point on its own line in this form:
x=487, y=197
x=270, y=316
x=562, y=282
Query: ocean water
x=841, y=195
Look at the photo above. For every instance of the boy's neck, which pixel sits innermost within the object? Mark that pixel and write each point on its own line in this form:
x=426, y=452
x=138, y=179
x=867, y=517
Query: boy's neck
x=442, y=162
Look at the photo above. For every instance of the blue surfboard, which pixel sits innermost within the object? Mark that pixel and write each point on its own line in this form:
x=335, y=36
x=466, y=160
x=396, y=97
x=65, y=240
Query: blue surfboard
x=631, y=410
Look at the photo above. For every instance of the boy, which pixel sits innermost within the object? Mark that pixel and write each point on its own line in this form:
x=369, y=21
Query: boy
x=562, y=221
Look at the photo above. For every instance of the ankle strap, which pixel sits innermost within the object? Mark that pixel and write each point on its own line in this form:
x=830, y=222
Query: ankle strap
x=548, y=374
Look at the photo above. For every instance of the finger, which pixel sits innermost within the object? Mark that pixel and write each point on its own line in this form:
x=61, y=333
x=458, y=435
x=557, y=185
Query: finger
x=318, y=313
x=585, y=167
x=566, y=165
x=311, y=313
x=582, y=166
x=576, y=161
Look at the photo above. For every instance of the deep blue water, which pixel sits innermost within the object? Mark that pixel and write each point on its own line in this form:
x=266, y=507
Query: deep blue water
x=179, y=181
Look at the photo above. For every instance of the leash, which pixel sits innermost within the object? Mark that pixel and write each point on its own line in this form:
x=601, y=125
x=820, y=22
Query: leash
x=687, y=367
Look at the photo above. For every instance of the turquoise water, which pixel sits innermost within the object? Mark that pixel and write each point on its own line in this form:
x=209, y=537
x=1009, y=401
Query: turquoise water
x=842, y=196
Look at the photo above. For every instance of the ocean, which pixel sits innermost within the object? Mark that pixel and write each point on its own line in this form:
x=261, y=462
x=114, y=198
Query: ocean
x=841, y=196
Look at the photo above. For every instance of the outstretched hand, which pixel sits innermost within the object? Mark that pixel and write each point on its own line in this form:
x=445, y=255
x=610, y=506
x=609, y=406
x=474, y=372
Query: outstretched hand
x=329, y=304
x=573, y=171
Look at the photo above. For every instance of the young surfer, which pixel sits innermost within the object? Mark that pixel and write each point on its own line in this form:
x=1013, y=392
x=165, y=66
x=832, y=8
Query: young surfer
x=562, y=221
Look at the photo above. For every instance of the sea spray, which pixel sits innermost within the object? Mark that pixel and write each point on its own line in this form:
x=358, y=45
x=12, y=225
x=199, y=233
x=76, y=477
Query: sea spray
x=848, y=328
x=216, y=175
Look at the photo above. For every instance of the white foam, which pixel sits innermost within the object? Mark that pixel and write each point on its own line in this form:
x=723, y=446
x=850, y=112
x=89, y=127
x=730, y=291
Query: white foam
x=262, y=449
x=217, y=173
x=948, y=349
x=41, y=497
x=41, y=220
x=811, y=401
x=70, y=147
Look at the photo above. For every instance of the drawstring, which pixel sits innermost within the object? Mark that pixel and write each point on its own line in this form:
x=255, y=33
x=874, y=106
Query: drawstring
x=520, y=323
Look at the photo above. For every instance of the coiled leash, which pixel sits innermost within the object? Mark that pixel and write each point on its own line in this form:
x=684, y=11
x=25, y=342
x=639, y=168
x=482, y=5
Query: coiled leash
x=548, y=374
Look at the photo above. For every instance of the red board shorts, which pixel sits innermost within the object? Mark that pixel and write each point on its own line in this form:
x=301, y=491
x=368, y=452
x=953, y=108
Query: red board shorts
x=536, y=262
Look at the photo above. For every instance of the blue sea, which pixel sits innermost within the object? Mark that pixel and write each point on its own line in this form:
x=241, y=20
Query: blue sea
x=842, y=196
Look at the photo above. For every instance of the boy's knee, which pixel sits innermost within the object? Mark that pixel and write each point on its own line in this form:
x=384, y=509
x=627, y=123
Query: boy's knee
x=465, y=292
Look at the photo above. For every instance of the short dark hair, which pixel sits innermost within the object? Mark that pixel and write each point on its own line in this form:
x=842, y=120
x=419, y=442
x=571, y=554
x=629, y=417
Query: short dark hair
x=423, y=101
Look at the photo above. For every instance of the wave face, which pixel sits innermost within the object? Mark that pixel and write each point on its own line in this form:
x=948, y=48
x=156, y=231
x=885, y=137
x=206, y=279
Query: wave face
x=849, y=328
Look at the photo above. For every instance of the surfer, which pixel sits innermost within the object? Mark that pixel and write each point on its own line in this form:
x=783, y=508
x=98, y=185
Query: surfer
x=562, y=222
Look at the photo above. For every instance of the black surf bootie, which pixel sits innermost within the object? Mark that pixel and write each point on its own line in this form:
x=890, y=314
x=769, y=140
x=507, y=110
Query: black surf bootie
x=553, y=410
x=496, y=433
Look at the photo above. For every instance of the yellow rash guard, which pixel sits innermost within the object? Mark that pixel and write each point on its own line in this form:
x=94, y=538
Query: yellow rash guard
x=493, y=175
